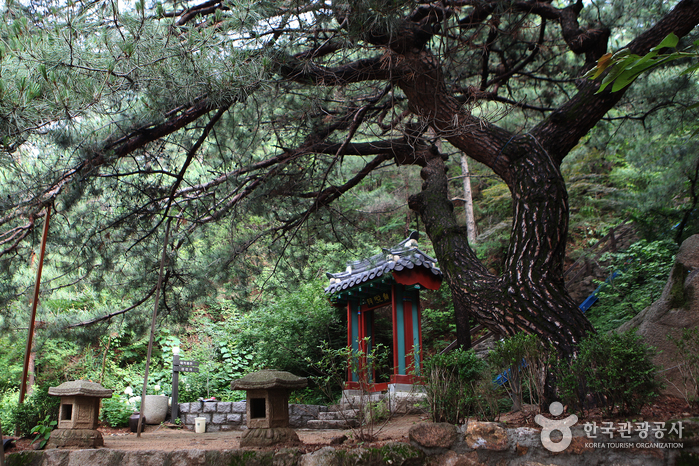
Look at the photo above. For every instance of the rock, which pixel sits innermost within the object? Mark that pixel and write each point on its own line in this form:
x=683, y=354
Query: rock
x=332, y=424
x=486, y=436
x=264, y=437
x=451, y=458
x=338, y=440
x=677, y=309
x=326, y=456
x=433, y=435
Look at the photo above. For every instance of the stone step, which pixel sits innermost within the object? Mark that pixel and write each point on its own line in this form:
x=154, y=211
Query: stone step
x=338, y=415
x=332, y=424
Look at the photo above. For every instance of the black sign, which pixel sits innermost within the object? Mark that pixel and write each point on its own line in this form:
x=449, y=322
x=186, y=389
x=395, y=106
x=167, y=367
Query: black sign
x=185, y=369
x=186, y=366
x=378, y=299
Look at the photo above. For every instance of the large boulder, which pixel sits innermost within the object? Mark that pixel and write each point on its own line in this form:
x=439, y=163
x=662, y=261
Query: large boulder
x=677, y=309
x=433, y=434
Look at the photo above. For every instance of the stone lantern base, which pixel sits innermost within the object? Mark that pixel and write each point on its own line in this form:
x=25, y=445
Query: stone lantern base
x=264, y=437
x=75, y=438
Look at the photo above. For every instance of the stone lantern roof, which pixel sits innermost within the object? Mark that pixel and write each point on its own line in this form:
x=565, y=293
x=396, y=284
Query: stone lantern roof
x=81, y=388
x=268, y=379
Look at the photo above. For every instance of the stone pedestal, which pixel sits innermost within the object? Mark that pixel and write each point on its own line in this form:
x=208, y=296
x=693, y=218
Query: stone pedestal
x=75, y=438
x=264, y=437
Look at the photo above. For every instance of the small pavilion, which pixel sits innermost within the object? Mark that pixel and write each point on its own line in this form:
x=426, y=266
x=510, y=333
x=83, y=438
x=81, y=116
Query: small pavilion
x=394, y=277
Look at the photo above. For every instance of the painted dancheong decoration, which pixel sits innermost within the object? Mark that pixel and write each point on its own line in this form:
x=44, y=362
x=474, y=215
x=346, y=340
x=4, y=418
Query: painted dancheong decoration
x=394, y=277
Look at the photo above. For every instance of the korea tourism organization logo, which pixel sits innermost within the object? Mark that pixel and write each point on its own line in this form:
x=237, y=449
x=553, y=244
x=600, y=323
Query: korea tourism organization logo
x=551, y=425
x=607, y=434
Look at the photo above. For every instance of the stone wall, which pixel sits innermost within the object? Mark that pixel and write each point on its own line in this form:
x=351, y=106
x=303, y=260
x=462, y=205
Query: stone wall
x=228, y=415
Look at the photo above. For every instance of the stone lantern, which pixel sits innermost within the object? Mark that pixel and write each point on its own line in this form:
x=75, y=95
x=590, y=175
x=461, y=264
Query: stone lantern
x=78, y=414
x=268, y=406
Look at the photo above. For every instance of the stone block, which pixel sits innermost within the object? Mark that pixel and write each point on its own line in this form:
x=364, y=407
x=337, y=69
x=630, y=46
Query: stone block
x=183, y=408
x=239, y=407
x=223, y=407
x=210, y=407
x=332, y=424
x=196, y=407
x=298, y=421
x=219, y=418
x=234, y=418
x=304, y=410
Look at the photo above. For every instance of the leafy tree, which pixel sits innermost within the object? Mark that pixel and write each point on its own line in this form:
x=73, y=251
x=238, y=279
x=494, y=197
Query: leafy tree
x=259, y=119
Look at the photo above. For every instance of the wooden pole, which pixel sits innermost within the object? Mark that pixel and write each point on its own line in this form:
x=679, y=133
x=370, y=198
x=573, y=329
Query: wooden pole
x=2, y=448
x=468, y=201
x=152, y=329
x=32, y=319
x=175, y=386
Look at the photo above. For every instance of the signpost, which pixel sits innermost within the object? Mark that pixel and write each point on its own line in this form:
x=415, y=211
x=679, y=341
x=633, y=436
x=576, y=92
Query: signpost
x=177, y=367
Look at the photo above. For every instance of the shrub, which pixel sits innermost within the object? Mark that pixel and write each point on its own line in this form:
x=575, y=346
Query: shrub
x=615, y=369
x=643, y=270
x=450, y=381
x=35, y=409
x=688, y=356
x=116, y=411
x=521, y=362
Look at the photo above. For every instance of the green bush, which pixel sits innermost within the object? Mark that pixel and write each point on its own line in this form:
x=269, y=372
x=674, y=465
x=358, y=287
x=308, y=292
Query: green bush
x=35, y=409
x=116, y=411
x=615, y=369
x=688, y=356
x=450, y=384
x=522, y=360
x=643, y=271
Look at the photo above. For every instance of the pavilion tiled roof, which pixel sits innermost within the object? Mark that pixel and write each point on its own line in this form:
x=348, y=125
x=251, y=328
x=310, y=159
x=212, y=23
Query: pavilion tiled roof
x=405, y=255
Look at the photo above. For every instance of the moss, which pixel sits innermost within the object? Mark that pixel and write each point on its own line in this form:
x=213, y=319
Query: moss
x=252, y=458
x=678, y=297
x=24, y=458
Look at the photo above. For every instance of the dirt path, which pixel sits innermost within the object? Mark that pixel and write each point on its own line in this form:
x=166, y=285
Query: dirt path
x=164, y=438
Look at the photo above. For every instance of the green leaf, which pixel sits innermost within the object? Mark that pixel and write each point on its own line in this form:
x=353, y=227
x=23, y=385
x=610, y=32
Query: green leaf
x=670, y=41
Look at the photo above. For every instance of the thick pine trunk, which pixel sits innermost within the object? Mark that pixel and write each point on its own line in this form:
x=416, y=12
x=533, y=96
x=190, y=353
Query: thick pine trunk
x=530, y=294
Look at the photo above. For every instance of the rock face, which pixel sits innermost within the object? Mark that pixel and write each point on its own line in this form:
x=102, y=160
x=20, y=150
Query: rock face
x=677, y=308
x=433, y=434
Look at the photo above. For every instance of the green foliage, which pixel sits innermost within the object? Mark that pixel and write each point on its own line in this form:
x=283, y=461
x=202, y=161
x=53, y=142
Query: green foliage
x=450, y=384
x=438, y=322
x=43, y=431
x=116, y=411
x=35, y=409
x=286, y=331
x=331, y=370
x=521, y=362
x=688, y=357
x=615, y=369
x=644, y=268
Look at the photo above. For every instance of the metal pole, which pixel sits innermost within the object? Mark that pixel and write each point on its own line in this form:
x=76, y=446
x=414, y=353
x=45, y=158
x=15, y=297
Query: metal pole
x=152, y=329
x=32, y=319
x=175, y=386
